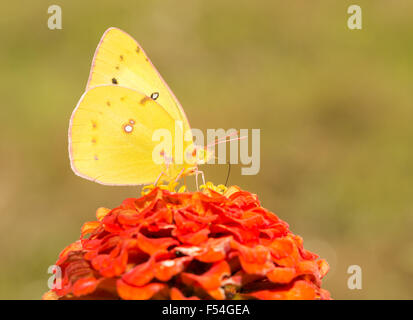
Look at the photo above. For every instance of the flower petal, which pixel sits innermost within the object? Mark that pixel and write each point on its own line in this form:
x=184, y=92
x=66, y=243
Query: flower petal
x=211, y=279
x=166, y=269
x=300, y=290
x=129, y=292
x=176, y=294
x=85, y=286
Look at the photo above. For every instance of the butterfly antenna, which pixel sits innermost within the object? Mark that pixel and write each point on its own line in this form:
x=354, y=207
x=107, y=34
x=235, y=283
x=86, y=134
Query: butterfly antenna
x=224, y=139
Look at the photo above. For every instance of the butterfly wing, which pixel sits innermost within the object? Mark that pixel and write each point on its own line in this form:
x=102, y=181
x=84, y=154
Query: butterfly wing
x=119, y=59
x=110, y=137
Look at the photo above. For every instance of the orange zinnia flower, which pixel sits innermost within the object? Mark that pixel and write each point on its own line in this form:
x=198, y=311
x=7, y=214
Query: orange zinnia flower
x=213, y=244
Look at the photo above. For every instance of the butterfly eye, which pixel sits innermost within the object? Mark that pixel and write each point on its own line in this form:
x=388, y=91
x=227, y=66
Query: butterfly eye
x=155, y=95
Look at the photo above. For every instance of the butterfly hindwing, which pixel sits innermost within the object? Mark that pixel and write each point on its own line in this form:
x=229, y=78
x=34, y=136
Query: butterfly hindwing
x=110, y=136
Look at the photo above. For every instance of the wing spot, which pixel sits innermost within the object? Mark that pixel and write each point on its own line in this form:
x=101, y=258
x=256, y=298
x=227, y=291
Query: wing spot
x=131, y=121
x=94, y=125
x=121, y=57
x=108, y=103
x=114, y=81
x=144, y=100
x=117, y=67
x=155, y=95
x=93, y=140
x=122, y=98
x=96, y=157
x=128, y=128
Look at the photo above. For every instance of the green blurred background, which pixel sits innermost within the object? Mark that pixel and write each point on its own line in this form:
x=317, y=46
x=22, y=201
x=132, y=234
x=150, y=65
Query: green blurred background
x=334, y=107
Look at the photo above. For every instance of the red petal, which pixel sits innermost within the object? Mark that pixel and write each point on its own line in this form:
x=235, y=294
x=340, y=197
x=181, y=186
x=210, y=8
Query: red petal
x=128, y=292
x=76, y=246
x=113, y=264
x=129, y=203
x=130, y=217
x=255, y=260
x=285, y=252
x=192, y=238
x=141, y=274
x=210, y=280
x=215, y=250
x=85, y=286
x=154, y=245
x=176, y=294
x=282, y=275
x=300, y=290
x=166, y=269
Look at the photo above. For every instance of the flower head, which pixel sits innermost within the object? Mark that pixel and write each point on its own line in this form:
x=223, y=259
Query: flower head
x=217, y=243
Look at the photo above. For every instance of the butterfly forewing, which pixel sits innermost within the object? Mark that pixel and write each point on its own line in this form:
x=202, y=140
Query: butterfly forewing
x=120, y=60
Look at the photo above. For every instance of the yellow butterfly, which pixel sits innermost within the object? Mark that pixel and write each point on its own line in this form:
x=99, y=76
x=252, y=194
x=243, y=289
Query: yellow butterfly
x=111, y=131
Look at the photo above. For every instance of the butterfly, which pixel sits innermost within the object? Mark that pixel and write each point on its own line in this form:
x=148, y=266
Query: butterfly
x=112, y=128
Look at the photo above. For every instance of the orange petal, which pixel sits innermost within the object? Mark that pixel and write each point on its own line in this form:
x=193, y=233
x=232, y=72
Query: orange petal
x=210, y=280
x=282, y=275
x=300, y=290
x=176, y=294
x=75, y=246
x=141, y=274
x=166, y=269
x=215, y=250
x=130, y=217
x=128, y=292
x=255, y=260
x=51, y=295
x=89, y=227
x=308, y=267
x=195, y=238
x=84, y=286
x=323, y=267
x=324, y=295
x=129, y=203
x=101, y=213
x=110, y=265
x=217, y=294
x=285, y=252
x=154, y=245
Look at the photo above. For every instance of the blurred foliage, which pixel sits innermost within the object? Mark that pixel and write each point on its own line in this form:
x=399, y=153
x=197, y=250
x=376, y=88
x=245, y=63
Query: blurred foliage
x=334, y=107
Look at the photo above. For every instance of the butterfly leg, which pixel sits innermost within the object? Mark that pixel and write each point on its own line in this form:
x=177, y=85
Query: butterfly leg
x=198, y=172
x=179, y=175
x=159, y=177
x=163, y=173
